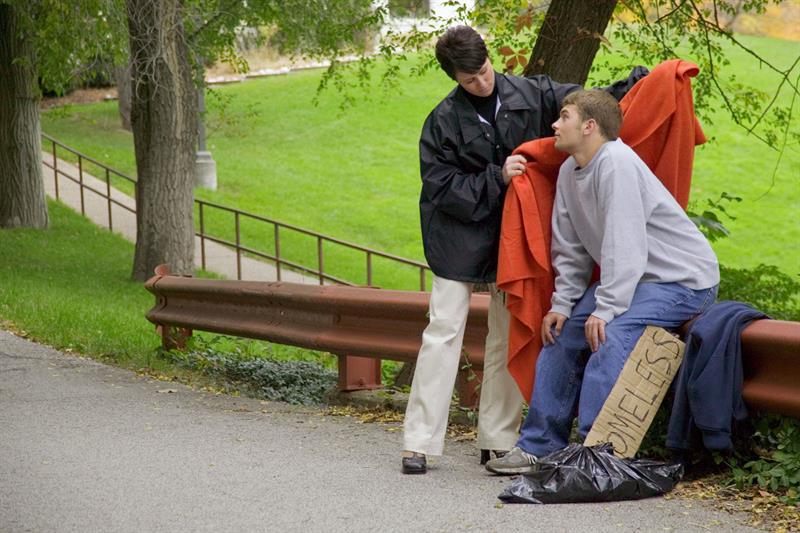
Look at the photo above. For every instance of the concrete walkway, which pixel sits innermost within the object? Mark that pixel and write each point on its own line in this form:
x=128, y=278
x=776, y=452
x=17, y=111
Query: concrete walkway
x=88, y=447
x=219, y=259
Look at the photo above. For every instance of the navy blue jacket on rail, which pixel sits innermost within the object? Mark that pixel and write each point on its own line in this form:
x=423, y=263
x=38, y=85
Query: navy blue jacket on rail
x=708, y=388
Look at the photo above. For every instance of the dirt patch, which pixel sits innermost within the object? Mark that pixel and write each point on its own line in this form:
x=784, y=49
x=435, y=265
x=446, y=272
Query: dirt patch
x=81, y=96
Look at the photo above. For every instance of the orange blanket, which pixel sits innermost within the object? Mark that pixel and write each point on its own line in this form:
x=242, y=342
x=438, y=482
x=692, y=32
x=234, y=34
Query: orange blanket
x=660, y=125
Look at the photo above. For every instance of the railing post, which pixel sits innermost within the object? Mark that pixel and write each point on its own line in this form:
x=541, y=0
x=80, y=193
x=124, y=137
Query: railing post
x=369, y=269
x=238, y=249
x=320, y=261
x=202, y=238
x=422, y=279
x=277, y=251
x=55, y=169
x=80, y=183
x=108, y=195
x=359, y=373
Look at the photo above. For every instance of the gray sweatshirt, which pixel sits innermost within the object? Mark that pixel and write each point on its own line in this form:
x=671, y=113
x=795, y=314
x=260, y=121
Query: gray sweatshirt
x=616, y=213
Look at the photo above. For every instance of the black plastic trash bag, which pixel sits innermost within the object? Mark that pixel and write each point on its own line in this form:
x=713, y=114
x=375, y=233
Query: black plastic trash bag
x=592, y=474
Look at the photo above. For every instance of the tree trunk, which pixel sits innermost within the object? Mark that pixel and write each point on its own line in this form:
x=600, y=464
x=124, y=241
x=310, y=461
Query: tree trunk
x=164, y=120
x=569, y=39
x=22, y=198
x=122, y=76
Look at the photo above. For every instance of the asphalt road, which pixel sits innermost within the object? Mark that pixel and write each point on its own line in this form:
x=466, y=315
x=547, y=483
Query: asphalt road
x=88, y=447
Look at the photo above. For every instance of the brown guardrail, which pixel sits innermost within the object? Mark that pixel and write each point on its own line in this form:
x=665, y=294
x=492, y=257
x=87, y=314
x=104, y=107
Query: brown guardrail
x=359, y=324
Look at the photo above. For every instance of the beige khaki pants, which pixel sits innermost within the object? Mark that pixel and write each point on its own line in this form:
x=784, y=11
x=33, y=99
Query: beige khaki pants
x=437, y=365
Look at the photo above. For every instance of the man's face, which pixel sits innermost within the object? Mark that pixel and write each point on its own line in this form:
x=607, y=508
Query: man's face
x=569, y=129
x=480, y=83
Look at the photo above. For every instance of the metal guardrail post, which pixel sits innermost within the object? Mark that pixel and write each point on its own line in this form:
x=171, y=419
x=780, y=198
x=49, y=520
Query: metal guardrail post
x=172, y=337
x=359, y=373
x=468, y=383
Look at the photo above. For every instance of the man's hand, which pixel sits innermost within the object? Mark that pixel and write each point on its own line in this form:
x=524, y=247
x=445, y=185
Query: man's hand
x=595, y=332
x=514, y=166
x=552, y=320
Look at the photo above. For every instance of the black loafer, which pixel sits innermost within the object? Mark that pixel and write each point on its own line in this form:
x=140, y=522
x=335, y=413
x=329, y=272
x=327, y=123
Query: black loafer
x=415, y=465
x=486, y=455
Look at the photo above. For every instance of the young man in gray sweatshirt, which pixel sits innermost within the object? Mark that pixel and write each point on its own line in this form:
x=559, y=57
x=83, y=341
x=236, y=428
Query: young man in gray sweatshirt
x=656, y=268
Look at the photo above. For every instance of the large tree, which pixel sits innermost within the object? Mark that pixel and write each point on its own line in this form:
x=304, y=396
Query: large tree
x=569, y=37
x=163, y=118
x=22, y=200
x=52, y=41
x=170, y=42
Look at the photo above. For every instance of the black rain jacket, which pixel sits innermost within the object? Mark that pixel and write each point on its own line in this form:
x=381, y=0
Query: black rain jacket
x=461, y=160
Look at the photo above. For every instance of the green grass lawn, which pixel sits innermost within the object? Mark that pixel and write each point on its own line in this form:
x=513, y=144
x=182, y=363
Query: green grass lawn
x=354, y=175
x=69, y=286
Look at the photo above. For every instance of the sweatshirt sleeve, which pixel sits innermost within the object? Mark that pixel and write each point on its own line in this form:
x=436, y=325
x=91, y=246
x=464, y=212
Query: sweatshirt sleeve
x=466, y=196
x=571, y=262
x=623, y=253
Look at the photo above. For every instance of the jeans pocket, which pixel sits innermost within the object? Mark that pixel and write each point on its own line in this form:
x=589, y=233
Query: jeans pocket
x=709, y=298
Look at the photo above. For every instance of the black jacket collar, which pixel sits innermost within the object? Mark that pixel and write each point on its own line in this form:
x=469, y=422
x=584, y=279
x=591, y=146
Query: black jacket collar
x=470, y=124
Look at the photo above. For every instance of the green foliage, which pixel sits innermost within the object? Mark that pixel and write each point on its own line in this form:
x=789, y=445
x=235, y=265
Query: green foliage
x=709, y=221
x=765, y=287
x=776, y=463
x=319, y=28
x=325, y=28
x=67, y=37
x=389, y=371
x=643, y=33
x=657, y=30
x=296, y=382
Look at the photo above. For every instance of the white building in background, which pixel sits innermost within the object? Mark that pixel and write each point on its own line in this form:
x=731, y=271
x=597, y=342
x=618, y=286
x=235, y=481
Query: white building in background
x=406, y=13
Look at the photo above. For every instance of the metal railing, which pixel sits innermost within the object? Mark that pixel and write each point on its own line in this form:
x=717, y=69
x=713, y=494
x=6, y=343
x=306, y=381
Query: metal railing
x=360, y=323
x=277, y=228
x=108, y=171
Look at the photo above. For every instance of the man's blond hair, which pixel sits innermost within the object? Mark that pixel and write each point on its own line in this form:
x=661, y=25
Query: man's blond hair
x=600, y=106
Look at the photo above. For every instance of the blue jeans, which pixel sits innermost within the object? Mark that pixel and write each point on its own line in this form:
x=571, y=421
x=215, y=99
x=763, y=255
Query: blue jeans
x=569, y=375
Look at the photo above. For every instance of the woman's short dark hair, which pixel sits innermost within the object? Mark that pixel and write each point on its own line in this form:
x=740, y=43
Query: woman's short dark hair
x=461, y=49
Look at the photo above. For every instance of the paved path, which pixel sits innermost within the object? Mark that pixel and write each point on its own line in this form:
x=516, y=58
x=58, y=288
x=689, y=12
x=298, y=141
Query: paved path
x=87, y=447
x=219, y=259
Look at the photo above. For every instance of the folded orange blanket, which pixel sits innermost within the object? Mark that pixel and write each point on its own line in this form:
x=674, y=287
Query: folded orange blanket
x=660, y=125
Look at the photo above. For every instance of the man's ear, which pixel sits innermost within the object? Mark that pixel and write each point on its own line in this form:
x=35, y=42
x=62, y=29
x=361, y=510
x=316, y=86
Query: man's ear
x=589, y=127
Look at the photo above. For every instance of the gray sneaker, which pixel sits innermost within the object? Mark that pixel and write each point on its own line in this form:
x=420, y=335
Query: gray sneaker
x=516, y=461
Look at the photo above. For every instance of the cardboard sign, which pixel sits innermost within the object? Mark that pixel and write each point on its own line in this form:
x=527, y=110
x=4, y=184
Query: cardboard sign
x=629, y=409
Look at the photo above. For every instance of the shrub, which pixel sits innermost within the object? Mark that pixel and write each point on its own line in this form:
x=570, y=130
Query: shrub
x=296, y=382
x=765, y=287
x=773, y=460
